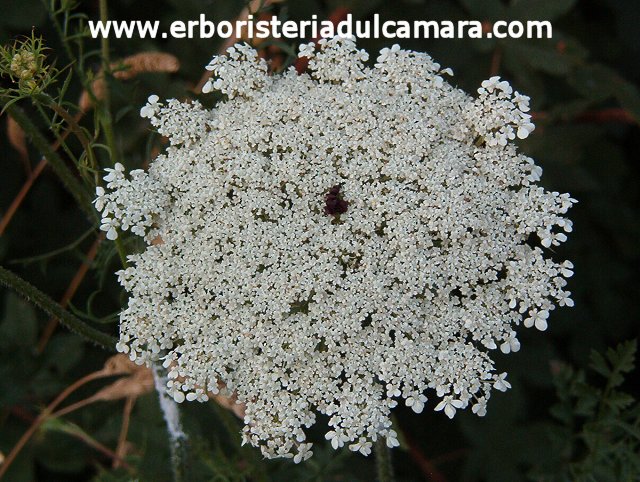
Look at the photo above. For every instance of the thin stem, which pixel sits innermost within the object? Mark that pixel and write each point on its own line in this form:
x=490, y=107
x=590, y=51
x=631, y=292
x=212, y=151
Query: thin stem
x=44, y=415
x=72, y=184
x=48, y=305
x=54, y=126
x=75, y=61
x=383, y=461
x=74, y=406
x=72, y=123
x=121, y=252
x=55, y=252
x=33, y=175
x=70, y=292
x=105, y=110
x=428, y=467
x=17, y=201
x=178, y=440
x=91, y=442
x=124, y=430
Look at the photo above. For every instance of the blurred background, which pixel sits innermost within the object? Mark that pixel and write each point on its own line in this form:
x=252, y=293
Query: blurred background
x=571, y=415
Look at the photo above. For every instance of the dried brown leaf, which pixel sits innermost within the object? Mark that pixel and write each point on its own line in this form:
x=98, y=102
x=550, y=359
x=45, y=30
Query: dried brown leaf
x=128, y=68
x=145, y=62
x=85, y=103
x=17, y=138
x=119, y=364
x=230, y=403
x=135, y=385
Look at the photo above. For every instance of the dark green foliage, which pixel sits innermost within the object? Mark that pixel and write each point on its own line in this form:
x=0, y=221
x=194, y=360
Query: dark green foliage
x=597, y=436
x=556, y=424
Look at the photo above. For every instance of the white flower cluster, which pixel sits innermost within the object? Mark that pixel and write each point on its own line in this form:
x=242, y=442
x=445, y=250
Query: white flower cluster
x=508, y=108
x=238, y=76
x=337, y=242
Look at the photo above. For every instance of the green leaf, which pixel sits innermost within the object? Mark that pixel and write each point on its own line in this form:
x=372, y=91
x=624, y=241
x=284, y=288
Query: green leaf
x=59, y=425
x=629, y=429
x=599, y=364
x=618, y=401
x=587, y=400
x=622, y=358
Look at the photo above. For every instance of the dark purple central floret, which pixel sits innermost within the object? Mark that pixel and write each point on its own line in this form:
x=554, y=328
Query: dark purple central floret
x=333, y=202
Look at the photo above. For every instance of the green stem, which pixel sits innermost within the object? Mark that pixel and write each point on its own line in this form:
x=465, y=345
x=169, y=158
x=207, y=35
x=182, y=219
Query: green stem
x=62, y=35
x=72, y=125
x=71, y=122
x=179, y=457
x=383, y=461
x=46, y=304
x=55, y=161
x=105, y=108
x=122, y=254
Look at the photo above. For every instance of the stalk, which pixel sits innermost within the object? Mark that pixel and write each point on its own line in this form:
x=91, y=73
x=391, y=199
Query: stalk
x=178, y=440
x=383, y=461
x=71, y=183
x=105, y=108
x=48, y=305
